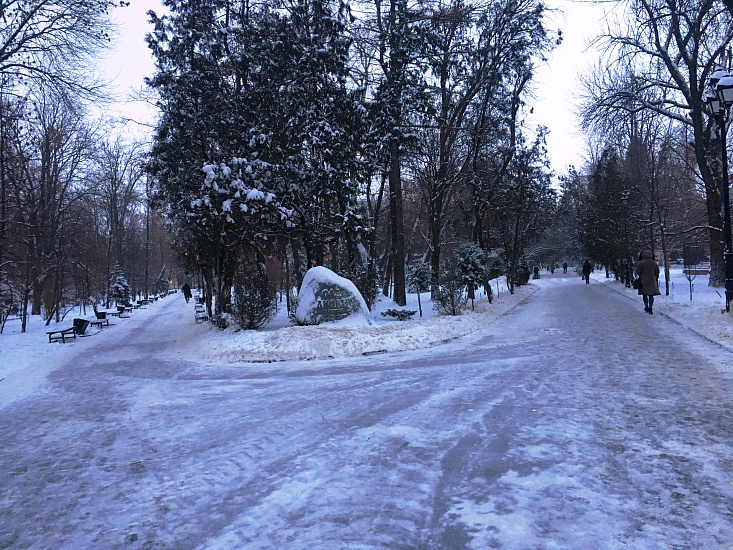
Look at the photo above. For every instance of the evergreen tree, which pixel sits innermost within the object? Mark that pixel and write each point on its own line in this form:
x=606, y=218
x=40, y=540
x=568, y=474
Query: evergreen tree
x=470, y=261
x=603, y=218
x=258, y=98
x=119, y=288
x=523, y=205
x=418, y=280
x=449, y=298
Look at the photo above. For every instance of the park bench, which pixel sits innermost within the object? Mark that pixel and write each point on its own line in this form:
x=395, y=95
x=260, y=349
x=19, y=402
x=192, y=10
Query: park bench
x=62, y=334
x=696, y=271
x=101, y=319
x=80, y=326
x=121, y=310
x=78, y=329
x=200, y=313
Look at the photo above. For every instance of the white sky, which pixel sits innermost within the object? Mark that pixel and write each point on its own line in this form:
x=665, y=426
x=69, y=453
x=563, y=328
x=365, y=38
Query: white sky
x=556, y=84
x=129, y=62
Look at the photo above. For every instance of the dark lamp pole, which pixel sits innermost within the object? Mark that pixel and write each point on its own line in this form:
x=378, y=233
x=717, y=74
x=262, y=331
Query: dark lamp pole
x=720, y=101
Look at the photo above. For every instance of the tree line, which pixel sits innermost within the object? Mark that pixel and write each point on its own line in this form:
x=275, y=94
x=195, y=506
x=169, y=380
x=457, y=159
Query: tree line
x=366, y=137
x=382, y=138
x=646, y=100
x=74, y=200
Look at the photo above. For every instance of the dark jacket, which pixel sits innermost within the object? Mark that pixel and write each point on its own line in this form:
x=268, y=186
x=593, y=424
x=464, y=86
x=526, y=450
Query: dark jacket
x=587, y=268
x=648, y=271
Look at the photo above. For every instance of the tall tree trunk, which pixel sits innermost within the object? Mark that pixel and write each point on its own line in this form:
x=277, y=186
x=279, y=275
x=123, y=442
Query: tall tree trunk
x=436, y=209
x=387, y=275
x=372, y=260
x=397, y=223
x=147, y=246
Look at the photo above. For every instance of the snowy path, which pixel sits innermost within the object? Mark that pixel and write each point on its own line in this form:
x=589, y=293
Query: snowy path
x=575, y=421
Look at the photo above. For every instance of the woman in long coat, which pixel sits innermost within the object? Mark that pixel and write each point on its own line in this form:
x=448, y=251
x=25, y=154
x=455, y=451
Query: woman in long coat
x=587, y=268
x=648, y=271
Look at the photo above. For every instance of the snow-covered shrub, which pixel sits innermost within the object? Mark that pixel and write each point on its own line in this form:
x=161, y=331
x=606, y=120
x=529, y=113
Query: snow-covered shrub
x=293, y=307
x=119, y=288
x=522, y=275
x=449, y=298
x=470, y=261
x=255, y=303
x=9, y=303
x=494, y=270
x=418, y=277
x=220, y=321
x=399, y=314
x=418, y=280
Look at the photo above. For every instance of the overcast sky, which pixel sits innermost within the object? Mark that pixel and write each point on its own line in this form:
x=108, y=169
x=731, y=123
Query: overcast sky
x=556, y=84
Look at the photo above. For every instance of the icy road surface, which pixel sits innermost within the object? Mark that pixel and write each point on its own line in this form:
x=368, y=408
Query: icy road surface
x=574, y=421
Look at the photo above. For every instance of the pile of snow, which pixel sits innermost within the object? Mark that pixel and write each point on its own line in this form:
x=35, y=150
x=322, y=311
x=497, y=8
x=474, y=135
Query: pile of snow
x=349, y=337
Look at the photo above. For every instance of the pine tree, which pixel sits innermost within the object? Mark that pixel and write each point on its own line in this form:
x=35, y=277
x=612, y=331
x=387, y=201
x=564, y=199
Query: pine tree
x=603, y=219
x=260, y=137
x=418, y=280
x=470, y=262
x=119, y=288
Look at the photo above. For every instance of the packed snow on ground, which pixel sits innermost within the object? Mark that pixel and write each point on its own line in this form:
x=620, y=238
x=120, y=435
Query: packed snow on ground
x=157, y=432
x=27, y=358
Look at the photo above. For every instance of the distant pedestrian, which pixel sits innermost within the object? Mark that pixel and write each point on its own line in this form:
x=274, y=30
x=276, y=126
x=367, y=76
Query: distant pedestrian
x=587, y=268
x=186, y=292
x=627, y=274
x=648, y=271
x=565, y=267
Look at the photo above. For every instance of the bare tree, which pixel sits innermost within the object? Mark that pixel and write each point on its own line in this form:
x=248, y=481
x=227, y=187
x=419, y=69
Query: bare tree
x=52, y=43
x=480, y=55
x=119, y=175
x=50, y=147
x=660, y=59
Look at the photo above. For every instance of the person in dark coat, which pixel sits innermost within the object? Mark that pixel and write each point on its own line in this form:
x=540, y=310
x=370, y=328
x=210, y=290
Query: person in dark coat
x=648, y=271
x=587, y=268
x=565, y=267
x=186, y=292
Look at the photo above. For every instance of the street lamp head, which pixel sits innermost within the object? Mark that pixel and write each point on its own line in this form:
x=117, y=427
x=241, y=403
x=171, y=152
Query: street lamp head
x=724, y=90
x=712, y=101
x=719, y=73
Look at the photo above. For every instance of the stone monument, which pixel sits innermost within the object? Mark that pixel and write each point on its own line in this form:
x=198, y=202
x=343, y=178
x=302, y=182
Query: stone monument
x=325, y=296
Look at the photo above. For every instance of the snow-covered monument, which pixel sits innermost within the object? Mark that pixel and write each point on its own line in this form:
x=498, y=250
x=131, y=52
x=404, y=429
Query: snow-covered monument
x=325, y=296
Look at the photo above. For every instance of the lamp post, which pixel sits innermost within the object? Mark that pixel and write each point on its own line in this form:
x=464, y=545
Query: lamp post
x=720, y=99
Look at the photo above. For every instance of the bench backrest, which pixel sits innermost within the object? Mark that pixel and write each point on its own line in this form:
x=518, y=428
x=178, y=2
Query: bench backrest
x=80, y=325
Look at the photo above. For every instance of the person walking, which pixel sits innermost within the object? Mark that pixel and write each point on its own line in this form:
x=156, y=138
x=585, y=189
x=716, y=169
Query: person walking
x=565, y=267
x=587, y=268
x=186, y=292
x=647, y=269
